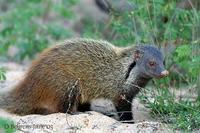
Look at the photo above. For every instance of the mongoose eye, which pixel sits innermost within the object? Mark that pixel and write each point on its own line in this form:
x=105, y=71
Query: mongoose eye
x=152, y=63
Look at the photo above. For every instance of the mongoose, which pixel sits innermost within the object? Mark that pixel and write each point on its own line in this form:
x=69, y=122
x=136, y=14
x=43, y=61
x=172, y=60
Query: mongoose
x=77, y=71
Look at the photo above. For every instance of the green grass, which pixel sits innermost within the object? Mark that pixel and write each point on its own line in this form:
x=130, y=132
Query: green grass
x=183, y=115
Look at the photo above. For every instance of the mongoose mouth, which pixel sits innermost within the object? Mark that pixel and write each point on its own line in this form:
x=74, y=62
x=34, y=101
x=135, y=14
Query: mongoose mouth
x=163, y=74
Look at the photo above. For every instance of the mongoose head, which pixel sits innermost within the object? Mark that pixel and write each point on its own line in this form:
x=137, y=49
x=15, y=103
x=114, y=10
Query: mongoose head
x=150, y=61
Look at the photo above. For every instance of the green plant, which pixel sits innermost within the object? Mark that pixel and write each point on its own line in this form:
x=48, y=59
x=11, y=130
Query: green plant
x=29, y=28
x=2, y=74
x=180, y=114
x=190, y=61
x=7, y=125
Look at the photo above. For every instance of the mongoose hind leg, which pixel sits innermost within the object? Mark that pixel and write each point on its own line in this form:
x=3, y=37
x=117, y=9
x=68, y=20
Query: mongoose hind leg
x=68, y=104
x=69, y=97
x=42, y=111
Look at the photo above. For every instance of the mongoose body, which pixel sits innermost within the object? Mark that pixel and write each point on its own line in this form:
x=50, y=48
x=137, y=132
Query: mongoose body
x=80, y=70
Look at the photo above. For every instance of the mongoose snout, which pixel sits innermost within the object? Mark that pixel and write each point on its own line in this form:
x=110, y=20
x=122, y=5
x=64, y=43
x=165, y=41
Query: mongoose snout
x=164, y=73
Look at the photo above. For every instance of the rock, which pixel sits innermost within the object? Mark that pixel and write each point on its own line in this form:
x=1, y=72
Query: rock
x=104, y=106
x=85, y=122
x=14, y=73
x=140, y=112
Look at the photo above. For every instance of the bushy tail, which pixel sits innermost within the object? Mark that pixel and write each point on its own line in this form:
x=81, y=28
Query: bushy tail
x=9, y=104
x=13, y=104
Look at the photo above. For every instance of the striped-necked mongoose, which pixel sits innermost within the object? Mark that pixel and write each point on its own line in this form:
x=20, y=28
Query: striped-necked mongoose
x=79, y=70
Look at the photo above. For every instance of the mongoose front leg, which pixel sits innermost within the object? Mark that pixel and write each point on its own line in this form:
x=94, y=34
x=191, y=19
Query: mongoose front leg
x=124, y=108
x=84, y=107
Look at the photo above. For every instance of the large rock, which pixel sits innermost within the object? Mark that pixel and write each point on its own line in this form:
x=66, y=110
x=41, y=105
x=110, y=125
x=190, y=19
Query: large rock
x=90, y=122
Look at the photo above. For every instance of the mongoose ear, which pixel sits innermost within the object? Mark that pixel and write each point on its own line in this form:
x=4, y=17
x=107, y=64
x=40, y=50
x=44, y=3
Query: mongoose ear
x=137, y=54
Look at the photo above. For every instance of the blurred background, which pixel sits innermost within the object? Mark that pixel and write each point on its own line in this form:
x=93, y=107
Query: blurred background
x=29, y=26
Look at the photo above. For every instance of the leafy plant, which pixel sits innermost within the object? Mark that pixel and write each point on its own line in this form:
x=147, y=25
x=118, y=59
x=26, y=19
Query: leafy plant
x=188, y=60
x=180, y=114
x=29, y=28
x=7, y=125
x=2, y=74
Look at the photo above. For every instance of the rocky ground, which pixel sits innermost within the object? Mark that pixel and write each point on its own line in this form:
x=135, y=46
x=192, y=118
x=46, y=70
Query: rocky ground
x=83, y=122
x=90, y=122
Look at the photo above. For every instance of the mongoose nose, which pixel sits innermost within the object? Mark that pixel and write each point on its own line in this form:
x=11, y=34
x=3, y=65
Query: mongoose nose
x=164, y=73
